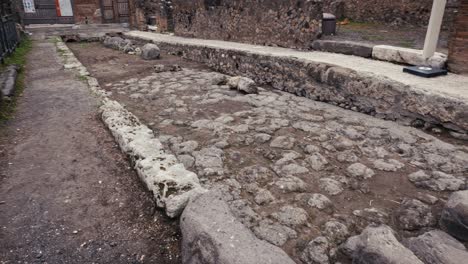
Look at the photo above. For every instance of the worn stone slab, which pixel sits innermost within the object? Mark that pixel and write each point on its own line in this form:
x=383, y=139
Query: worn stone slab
x=211, y=234
x=438, y=247
x=407, y=56
x=344, y=47
x=378, y=244
x=454, y=217
x=369, y=86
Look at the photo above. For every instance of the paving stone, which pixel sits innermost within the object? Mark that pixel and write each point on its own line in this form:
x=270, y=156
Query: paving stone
x=330, y=186
x=435, y=247
x=208, y=224
x=291, y=216
x=316, y=252
x=454, y=219
x=335, y=231
x=437, y=181
x=276, y=234
x=317, y=162
x=359, y=171
x=283, y=142
x=378, y=244
x=319, y=201
x=413, y=215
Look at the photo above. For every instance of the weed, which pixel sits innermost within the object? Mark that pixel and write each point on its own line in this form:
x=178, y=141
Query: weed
x=18, y=57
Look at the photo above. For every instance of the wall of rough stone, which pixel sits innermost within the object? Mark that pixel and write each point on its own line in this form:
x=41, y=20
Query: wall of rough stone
x=284, y=23
x=458, y=44
x=87, y=11
x=366, y=93
x=394, y=12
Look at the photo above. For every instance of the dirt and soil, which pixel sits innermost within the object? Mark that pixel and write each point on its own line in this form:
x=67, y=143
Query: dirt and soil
x=67, y=194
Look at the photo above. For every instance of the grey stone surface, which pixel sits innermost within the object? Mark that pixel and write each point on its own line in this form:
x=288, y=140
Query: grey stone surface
x=276, y=234
x=378, y=244
x=283, y=142
x=407, y=56
x=436, y=247
x=335, y=231
x=345, y=47
x=331, y=186
x=359, y=171
x=454, y=219
x=113, y=42
x=242, y=84
x=150, y=51
x=291, y=216
x=211, y=234
x=413, y=215
x=437, y=181
x=316, y=252
x=319, y=201
x=372, y=215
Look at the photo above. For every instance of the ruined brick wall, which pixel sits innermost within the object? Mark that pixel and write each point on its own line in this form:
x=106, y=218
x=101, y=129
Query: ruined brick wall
x=285, y=23
x=394, y=12
x=87, y=11
x=458, y=45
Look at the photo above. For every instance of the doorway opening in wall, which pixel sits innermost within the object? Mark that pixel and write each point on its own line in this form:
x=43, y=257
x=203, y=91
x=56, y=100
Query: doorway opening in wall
x=115, y=11
x=47, y=11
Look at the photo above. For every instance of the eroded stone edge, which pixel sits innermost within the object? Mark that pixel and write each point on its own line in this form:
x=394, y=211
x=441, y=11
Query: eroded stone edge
x=171, y=184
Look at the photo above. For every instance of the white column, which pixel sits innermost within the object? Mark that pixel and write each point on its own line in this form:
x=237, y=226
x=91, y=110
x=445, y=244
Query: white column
x=433, y=30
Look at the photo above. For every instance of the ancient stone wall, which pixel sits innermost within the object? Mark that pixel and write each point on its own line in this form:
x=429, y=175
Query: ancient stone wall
x=395, y=12
x=285, y=23
x=458, y=46
x=87, y=11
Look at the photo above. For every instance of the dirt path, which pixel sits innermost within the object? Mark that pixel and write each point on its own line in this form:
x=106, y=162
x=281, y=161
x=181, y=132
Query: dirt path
x=67, y=195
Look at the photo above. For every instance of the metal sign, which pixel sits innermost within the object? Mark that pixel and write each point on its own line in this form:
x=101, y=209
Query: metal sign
x=65, y=8
x=29, y=6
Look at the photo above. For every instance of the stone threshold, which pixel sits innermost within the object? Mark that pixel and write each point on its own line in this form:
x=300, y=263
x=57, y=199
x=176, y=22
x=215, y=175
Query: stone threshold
x=374, y=87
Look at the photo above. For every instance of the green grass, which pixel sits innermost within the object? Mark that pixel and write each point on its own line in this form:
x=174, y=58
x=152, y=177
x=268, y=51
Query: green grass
x=18, y=57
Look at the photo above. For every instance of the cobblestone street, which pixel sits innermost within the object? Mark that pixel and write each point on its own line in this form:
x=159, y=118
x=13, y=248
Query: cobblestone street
x=291, y=169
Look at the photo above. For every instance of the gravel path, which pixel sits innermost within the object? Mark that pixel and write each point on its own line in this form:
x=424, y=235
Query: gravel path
x=67, y=195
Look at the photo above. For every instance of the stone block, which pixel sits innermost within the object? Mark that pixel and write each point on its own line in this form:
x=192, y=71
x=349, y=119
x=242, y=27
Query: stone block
x=344, y=47
x=407, y=56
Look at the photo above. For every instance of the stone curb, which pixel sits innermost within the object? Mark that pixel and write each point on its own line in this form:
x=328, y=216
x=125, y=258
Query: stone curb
x=171, y=184
x=359, y=91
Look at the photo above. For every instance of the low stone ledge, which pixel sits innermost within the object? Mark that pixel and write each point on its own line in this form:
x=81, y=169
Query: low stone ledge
x=344, y=47
x=168, y=180
x=407, y=56
x=211, y=234
x=365, y=92
x=171, y=184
